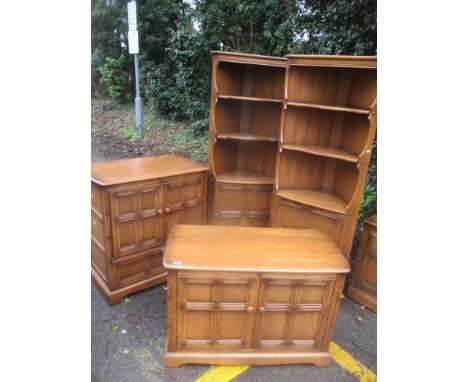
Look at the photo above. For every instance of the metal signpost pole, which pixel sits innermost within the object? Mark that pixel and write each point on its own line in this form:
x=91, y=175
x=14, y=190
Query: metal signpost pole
x=133, y=48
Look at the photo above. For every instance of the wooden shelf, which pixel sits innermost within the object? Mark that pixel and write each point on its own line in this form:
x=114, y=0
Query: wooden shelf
x=246, y=137
x=321, y=199
x=345, y=109
x=244, y=178
x=329, y=152
x=254, y=99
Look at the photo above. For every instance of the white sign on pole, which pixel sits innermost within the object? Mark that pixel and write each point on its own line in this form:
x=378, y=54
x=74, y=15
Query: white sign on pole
x=133, y=42
x=132, y=16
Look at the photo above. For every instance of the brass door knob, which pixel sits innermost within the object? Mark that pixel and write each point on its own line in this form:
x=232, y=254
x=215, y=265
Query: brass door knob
x=262, y=310
x=160, y=211
x=168, y=210
x=250, y=309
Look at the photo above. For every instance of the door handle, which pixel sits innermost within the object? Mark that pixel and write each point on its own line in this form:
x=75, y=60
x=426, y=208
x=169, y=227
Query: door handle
x=160, y=211
x=261, y=310
x=250, y=309
x=167, y=210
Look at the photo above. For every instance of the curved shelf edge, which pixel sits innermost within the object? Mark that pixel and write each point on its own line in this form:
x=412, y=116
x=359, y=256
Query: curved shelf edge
x=240, y=177
x=319, y=199
x=345, y=109
x=329, y=152
x=254, y=99
x=246, y=137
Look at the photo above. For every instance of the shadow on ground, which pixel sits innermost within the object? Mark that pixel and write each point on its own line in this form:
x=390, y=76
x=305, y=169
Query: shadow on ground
x=128, y=343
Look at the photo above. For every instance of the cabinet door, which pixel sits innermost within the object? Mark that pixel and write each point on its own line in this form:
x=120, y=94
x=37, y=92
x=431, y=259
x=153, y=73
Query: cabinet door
x=295, y=215
x=292, y=312
x=242, y=205
x=184, y=202
x=366, y=267
x=215, y=312
x=137, y=222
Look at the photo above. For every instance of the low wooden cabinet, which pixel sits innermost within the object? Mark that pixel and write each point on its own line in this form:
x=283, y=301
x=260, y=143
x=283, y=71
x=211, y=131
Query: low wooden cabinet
x=363, y=287
x=134, y=205
x=256, y=296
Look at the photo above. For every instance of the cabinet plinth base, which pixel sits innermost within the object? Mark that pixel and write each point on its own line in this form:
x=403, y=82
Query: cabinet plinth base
x=113, y=297
x=175, y=359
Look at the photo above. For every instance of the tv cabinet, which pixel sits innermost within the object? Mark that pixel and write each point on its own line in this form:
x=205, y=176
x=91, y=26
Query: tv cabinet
x=234, y=298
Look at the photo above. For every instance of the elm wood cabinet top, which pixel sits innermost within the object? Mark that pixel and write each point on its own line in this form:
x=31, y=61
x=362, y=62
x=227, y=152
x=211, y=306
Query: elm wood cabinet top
x=333, y=61
x=195, y=247
x=140, y=169
x=249, y=58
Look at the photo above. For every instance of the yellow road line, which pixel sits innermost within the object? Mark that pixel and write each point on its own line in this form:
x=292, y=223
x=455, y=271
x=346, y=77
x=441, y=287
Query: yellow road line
x=222, y=373
x=347, y=361
x=340, y=356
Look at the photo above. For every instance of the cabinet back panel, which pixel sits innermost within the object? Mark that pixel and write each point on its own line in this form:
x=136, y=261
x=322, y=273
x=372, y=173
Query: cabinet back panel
x=261, y=118
x=346, y=178
x=257, y=157
x=300, y=171
x=227, y=116
x=363, y=88
x=355, y=133
x=332, y=86
x=250, y=80
x=225, y=154
x=307, y=127
x=260, y=157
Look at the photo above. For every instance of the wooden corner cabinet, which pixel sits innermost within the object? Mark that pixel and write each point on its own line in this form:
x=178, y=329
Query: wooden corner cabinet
x=290, y=141
x=235, y=298
x=363, y=286
x=134, y=205
x=327, y=130
x=246, y=102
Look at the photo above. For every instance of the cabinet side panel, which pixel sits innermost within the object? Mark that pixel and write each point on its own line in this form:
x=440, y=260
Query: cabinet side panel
x=98, y=236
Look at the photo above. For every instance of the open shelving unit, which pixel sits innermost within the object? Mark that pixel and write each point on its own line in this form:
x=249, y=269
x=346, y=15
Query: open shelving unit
x=291, y=140
x=246, y=107
x=327, y=130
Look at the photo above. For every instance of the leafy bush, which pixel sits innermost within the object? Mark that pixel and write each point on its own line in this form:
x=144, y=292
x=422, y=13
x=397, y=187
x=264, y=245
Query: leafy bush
x=200, y=127
x=115, y=76
x=180, y=86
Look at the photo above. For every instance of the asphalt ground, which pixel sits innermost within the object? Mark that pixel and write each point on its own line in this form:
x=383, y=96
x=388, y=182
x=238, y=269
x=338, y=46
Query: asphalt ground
x=128, y=340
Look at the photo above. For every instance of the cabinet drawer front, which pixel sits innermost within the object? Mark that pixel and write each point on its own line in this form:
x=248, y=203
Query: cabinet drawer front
x=138, y=267
x=292, y=312
x=137, y=219
x=215, y=312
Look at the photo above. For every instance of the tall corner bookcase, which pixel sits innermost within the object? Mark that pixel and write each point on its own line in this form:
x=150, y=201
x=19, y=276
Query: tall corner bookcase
x=327, y=130
x=246, y=107
x=290, y=141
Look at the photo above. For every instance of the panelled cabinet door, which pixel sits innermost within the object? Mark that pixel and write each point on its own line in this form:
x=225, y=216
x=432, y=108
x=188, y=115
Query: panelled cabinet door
x=243, y=205
x=137, y=218
x=367, y=268
x=184, y=202
x=215, y=312
x=291, y=313
x=294, y=215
